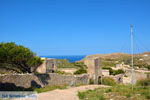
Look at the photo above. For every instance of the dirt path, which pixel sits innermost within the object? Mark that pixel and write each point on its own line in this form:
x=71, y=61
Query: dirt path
x=66, y=94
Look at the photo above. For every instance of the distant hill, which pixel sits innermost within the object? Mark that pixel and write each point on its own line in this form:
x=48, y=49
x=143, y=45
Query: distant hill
x=110, y=60
x=109, y=56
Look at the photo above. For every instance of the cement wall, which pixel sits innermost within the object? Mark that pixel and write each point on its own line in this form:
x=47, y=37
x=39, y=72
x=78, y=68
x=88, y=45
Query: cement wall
x=41, y=80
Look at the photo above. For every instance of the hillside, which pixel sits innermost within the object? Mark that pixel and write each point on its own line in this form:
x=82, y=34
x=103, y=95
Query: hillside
x=141, y=60
x=109, y=56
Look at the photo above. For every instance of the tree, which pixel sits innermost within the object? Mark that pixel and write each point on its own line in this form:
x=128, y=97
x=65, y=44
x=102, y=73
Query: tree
x=18, y=58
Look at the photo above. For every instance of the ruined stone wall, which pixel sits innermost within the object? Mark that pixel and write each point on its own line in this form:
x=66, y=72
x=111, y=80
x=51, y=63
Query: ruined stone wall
x=90, y=66
x=40, y=80
x=48, y=66
x=138, y=74
x=42, y=68
x=93, y=67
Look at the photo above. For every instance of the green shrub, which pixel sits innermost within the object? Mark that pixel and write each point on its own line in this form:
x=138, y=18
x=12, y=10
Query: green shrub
x=60, y=72
x=148, y=67
x=80, y=71
x=108, y=90
x=108, y=81
x=114, y=72
x=128, y=95
x=91, y=81
x=18, y=58
x=101, y=97
x=144, y=82
x=81, y=95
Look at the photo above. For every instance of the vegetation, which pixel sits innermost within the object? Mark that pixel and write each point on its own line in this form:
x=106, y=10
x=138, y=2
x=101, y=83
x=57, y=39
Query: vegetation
x=110, y=60
x=91, y=81
x=61, y=72
x=117, y=92
x=49, y=88
x=108, y=63
x=80, y=71
x=144, y=82
x=114, y=72
x=108, y=81
x=63, y=63
x=140, y=91
x=80, y=65
x=91, y=95
x=148, y=67
x=137, y=62
x=81, y=68
x=18, y=58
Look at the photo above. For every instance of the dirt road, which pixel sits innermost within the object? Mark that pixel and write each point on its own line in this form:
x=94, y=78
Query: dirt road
x=66, y=94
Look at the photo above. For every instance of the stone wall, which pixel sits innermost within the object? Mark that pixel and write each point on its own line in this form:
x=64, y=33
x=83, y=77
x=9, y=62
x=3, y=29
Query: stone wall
x=48, y=66
x=41, y=80
x=93, y=67
x=138, y=74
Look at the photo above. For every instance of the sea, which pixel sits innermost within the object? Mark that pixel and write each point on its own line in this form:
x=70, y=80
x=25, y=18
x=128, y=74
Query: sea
x=70, y=58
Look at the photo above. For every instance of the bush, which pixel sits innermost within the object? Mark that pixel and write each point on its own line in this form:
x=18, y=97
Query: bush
x=144, y=82
x=108, y=81
x=80, y=71
x=61, y=72
x=81, y=95
x=148, y=67
x=114, y=72
x=18, y=58
x=91, y=81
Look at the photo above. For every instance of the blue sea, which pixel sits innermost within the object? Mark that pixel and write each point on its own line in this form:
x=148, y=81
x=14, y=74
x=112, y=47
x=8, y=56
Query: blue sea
x=70, y=58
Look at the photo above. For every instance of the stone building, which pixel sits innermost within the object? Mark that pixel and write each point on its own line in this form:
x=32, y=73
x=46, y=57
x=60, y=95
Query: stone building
x=48, y=66
x=93, y=68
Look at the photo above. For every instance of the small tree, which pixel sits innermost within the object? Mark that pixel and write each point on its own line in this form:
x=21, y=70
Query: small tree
x=17, y=57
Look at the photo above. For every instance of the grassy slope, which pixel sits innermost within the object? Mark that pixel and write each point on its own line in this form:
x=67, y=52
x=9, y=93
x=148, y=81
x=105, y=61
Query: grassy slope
x=118, y=92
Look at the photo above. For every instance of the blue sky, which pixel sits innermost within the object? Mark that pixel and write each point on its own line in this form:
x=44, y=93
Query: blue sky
x=75, y=27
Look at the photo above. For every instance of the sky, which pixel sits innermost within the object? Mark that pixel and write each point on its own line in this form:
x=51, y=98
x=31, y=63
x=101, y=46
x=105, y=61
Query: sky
x=76, y=27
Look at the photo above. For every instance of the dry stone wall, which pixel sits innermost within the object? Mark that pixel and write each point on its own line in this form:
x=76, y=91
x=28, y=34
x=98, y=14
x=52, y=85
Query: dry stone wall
x=41, y=80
